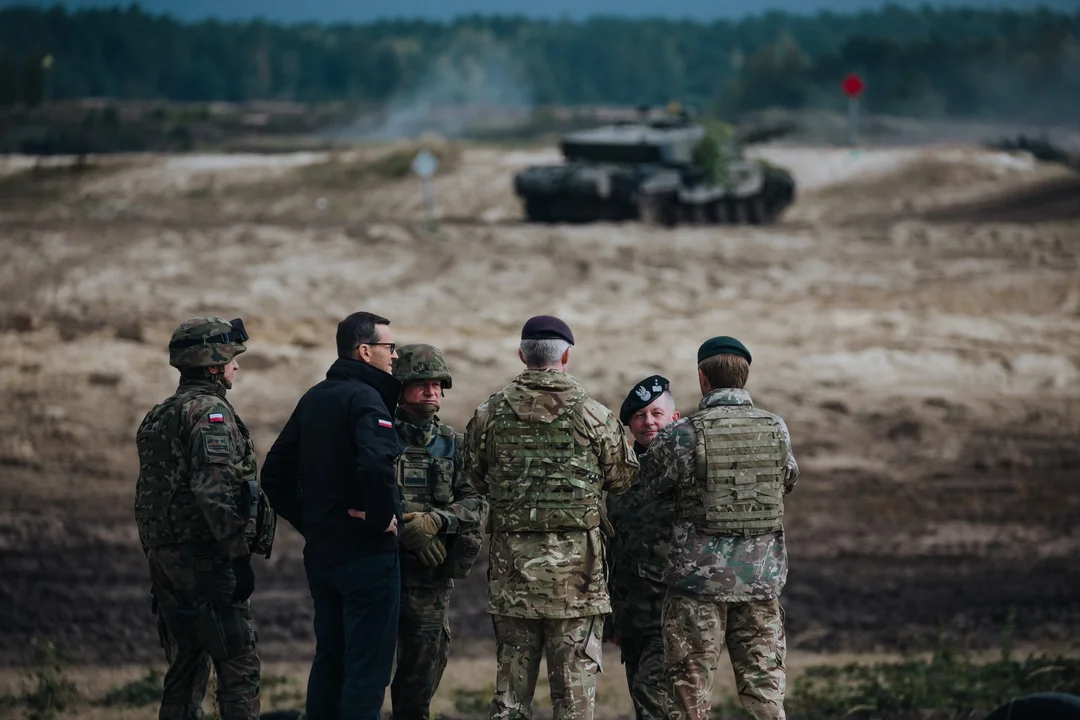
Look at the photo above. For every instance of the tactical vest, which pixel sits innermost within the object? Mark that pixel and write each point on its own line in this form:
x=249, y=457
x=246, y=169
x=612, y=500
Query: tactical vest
x=166, y=511
x=426, y=478
x=739, y=473
x=540, y=478
x=426, y=475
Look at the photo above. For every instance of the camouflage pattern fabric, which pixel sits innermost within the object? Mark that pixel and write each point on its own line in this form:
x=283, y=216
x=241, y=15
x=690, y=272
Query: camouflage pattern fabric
x=720, y=568
x=423, y=625
x=572, y=649
x=695, y=634
x=639, y=552
x=550, y=574
x=646, y=676
x=195, y=456
x=206, y=342
x=422, y=650
x=420, y=361
x=462, y=508
x=179, y=589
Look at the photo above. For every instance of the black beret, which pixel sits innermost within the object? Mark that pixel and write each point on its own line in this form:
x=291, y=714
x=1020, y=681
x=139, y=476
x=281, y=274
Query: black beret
x=722, y=345
x=642, y=395
x=545, y=327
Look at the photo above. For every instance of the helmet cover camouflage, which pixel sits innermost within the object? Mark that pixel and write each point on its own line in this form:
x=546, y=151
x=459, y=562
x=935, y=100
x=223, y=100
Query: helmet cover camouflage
x=421, y=362
x=206, y=342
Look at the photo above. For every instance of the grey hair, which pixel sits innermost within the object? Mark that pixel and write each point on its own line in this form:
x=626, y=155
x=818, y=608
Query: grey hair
x=670, y=398
x=543, y=353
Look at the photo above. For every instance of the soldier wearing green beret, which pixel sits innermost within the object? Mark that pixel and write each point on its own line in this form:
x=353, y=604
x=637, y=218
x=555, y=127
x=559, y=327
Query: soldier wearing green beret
x=201, y=516
x=727, y=468
x=444, y=520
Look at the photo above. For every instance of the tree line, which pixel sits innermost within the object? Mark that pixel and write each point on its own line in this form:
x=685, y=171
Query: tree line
x=926, y=61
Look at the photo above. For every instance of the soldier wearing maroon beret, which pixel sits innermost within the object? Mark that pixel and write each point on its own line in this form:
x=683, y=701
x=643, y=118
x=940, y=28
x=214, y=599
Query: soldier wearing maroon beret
x=543, y=453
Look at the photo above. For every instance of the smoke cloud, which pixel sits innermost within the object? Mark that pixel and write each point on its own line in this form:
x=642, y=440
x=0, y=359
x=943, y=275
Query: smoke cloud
x=476, y=84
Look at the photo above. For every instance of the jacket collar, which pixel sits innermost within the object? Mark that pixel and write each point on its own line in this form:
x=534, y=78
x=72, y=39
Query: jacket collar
x=726, y=396
x=388, y=387
x=210, y=387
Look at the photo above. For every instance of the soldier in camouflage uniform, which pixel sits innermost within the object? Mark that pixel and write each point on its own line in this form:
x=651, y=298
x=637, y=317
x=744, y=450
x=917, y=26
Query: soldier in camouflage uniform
x=542, y=452
x=442, y=534
x=639, y=551
x=201, y=515
x=727, y=467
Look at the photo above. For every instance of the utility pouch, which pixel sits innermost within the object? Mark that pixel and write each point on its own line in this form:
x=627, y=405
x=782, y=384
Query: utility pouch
x=210, y=632
x=251, y=499
x=461, y=553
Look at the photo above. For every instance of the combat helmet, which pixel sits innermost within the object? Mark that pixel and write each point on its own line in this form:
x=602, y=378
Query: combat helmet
x=206, y=342
x=420, y=361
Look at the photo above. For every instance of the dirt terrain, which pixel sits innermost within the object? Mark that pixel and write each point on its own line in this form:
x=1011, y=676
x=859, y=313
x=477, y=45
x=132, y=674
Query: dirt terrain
x=915, y=317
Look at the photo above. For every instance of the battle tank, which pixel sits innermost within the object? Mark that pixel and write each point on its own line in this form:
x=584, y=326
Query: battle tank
x=659, y=170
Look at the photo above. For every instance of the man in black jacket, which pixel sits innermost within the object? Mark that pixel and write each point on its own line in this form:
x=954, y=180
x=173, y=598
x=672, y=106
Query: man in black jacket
x=331, y=474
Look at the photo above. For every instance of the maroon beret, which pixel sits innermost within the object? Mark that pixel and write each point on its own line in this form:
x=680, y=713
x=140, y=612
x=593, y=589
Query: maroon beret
x=543, y=327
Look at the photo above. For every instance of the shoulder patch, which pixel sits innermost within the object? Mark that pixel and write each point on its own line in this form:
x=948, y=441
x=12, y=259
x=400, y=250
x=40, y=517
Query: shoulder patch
x=217, y=418
x=217, y=444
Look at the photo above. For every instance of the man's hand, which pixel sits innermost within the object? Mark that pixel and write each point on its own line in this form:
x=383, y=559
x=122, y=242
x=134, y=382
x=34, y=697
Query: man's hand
x=391, y=528
x=433, y=554
x=420, y=529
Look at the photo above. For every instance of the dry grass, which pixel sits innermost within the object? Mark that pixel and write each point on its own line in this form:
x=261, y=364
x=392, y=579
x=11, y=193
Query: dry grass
x=464, y=692
x=346, y=170
x=465, y=689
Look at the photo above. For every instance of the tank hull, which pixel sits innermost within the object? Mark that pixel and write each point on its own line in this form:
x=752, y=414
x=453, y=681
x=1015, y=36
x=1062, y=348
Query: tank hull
x=582, y=193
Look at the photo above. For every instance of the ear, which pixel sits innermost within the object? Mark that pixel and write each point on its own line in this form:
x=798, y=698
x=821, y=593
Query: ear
x=213, y=369
x=703, y=381
x=565, y=359
x=520, y=356
x=363, y=353
x=675, y=416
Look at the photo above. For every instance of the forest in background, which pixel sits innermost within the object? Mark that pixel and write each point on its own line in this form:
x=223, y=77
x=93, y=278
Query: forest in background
x=926, y=62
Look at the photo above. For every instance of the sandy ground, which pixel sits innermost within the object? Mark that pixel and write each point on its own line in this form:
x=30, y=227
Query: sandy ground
x=915, y=317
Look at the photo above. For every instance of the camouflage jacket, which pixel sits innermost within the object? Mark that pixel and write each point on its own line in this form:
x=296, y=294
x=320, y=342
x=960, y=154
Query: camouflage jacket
x=219, y=456
x=550, y=574
x=463, y=513
x=638, y=554
x=721, y=568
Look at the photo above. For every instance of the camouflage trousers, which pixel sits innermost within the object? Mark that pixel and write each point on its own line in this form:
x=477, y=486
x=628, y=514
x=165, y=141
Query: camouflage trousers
x=643, y=657
x=423, y=647
x=572, y=648
x=178, y=591
x=695, y=634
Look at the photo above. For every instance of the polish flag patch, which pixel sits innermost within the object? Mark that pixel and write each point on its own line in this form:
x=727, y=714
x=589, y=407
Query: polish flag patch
x=385, y=423
x=217, y=417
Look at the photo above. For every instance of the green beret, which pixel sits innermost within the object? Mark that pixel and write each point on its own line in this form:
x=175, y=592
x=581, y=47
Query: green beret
x=722, y=345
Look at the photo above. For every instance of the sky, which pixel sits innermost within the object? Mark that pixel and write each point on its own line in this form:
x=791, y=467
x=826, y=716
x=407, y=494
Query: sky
x=289, y=11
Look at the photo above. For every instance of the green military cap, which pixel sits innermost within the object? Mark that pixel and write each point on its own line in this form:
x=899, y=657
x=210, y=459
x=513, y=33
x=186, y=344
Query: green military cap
x=722, y=345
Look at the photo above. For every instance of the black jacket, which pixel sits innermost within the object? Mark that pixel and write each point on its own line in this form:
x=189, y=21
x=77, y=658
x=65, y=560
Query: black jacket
x=338, y=451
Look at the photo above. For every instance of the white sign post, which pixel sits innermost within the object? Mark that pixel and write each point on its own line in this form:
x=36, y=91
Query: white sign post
x=424, y=166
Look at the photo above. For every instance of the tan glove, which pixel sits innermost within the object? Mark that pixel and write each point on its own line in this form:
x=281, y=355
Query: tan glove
x=420, y=529
x=432, y=555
